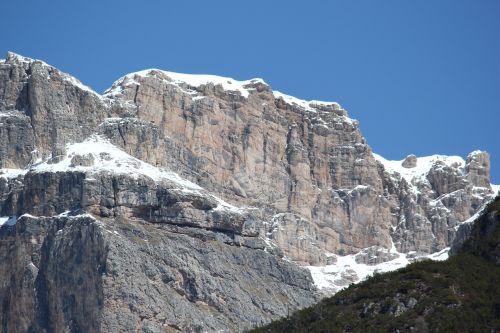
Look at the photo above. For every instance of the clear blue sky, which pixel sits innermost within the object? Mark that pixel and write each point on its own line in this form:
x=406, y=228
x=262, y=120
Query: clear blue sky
x=422, y=77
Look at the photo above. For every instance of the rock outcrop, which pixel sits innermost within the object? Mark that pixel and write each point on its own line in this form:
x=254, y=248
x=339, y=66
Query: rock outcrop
x=79, y=274
x=410, y=161
x=201, y=189
x=298, y=161
x=459, y=295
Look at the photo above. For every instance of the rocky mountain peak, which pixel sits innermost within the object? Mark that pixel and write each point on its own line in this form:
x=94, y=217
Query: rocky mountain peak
x=14, y=57
x=242, y=181
x=478, y=168
x=190, y=82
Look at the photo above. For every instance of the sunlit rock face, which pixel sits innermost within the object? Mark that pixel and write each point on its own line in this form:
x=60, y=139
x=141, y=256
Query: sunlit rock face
x=202, y=193
x=304, y=164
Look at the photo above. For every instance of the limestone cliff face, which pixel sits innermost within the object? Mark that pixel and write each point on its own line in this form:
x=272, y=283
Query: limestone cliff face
x=172, y=199
x=158, y=253
x=49, y=108
x=77, y=274
x=304, y=164
x=262, y=150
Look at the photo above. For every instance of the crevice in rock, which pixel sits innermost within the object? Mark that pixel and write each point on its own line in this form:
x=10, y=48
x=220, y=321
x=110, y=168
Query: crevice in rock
x=310, y=150
x=136, y=93
x=120, y=131
x=292, y=180
x=264, y=151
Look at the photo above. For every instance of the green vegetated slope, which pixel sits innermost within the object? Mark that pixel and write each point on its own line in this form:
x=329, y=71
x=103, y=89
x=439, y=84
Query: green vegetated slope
x=461, y=294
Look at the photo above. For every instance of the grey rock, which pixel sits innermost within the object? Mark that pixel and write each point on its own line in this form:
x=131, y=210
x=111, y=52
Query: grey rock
x=117, y=275
x=461, y=235
x=16, y=139
x=82, y=160
x=58, y=263
x=111, y=195
x=271, y=154
x=163, y=259
x=347, y=277
x=410, y=161
x=394, y=306
x=478, y=168
x=375, y=255
x=317, y=183
x=59, y=109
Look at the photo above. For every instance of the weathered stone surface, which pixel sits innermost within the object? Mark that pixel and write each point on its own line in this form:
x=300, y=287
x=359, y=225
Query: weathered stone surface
x=311, y=163
x=480, y=235
x=262, y=150
x=461, y=235
x=16, y=140
x=82, y=160
x=393, y=306
x=51, y=275
x=59, y=108
x=303, y=183
x=375, y=255
x=410, y=161
x=80, y=275
x=208, y=285
x=111, y=195
x=269, y=153
x=478, y=168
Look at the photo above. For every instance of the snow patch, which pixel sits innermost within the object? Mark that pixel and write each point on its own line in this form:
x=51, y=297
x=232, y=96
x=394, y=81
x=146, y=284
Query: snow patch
x=193, y=80
x=476, y=152
x=418, y=174
x=12, y=113
x=12, y=173
x=75, y=82
x=222, y=205
x=110, y=158
x=8, y=220
x=303, y=103
x=65, y=213
x=27, y=215
x=424, y=165
x=333, y=278
x=22, y=59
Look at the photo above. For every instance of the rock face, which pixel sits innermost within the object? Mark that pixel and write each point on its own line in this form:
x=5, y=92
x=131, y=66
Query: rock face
x=480, y=234
x=435, y=196
x=410, y=161
x=478, y=168
x=51, y=275
x=304, y=164
x=77, y=274
x=173, y=198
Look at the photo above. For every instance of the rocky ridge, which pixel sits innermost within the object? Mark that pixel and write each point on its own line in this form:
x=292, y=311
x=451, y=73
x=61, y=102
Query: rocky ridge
x=305, y=164
x=232, y=167
x=460, y=294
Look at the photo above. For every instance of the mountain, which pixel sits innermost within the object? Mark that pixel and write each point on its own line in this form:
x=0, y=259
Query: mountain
x=460, y=294
x=185, y=202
